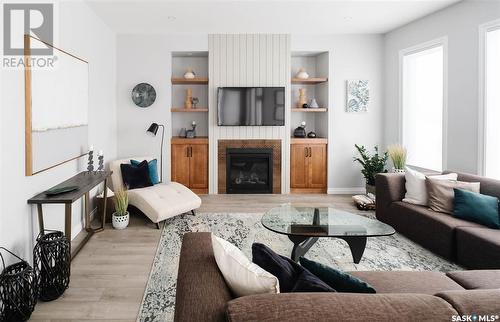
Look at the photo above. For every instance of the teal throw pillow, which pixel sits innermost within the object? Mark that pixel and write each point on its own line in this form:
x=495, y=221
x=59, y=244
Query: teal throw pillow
x=337, y=279
x=476, y=207
x=153, y=169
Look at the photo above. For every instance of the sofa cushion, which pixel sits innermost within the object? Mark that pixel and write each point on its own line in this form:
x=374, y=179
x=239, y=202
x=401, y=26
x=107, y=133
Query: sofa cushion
x=201, y=292
x=337, y=279
x=482, y=302
x=488, y=186
x=476, y=279
x=292, y=277
x=478, y=247
x=164, y=200
x=416, y=190
x=153, y=169
x=476, y=207
x=441, y=193
x=433, y=230
x=425, y=282
x=295, y=307
x=136, y=176
x=241, y=275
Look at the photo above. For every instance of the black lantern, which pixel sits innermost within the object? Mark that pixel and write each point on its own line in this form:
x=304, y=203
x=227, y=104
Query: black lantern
x=18, y=292
x=52, y=262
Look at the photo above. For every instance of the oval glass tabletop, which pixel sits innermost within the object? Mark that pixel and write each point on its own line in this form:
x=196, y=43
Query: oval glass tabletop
x=296, y=220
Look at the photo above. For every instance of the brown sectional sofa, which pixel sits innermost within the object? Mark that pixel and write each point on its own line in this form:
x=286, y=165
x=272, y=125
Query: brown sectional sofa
x=469, y=244
x=202, y=295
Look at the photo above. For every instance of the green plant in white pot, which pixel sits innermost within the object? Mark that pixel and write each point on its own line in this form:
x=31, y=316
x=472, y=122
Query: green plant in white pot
x=121, y=215
x=398, y=154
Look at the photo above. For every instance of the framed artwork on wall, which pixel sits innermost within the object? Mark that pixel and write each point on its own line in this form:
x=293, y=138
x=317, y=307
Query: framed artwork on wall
x=357, y=96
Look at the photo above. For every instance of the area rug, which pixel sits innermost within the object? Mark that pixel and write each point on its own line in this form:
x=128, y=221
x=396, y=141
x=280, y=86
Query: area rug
x=242, y=229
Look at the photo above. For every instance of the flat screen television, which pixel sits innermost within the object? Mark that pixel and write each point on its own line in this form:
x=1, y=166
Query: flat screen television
x=251, y=106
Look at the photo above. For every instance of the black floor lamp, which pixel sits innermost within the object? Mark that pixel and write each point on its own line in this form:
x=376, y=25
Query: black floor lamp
x=153, y=129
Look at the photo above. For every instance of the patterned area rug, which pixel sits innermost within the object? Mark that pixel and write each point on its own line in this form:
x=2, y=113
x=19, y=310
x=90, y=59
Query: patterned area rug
x=382, y=253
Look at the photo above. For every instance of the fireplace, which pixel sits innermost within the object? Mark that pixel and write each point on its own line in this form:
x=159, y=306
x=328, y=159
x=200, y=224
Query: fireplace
x=249, y=170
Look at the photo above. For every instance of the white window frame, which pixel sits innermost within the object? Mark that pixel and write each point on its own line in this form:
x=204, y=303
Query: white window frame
x=481, y=144
x=441, y=41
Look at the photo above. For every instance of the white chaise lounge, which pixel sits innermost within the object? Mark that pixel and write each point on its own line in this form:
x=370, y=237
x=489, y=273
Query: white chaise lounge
x=158, y=202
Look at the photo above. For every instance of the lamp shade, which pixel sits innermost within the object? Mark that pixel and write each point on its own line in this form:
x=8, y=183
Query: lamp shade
x=153, y=128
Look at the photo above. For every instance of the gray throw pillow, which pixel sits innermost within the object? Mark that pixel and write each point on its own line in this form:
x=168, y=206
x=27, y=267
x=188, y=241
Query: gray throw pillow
x=441, y=194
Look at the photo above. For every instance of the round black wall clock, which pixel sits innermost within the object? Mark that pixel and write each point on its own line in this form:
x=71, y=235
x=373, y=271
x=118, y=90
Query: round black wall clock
x=143, y=95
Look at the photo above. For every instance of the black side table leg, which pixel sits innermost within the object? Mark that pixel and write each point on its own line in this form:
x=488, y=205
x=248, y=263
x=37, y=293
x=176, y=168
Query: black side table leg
x=301, y=245
x=357, y=246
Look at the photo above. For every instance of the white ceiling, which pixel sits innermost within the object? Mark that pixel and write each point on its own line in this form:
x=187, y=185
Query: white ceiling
x=258, y=16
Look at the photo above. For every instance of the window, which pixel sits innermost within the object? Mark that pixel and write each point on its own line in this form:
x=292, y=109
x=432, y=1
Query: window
x=422, y=103
x=491, y=102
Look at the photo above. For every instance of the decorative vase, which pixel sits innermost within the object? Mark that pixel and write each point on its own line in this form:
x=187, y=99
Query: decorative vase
x=311, y=135
x=302, y=74
x=398, y=170
x=300, y=132
x=370, y=189
x=188, y=103
x=313, y=103
x=302, y=97
x=189, y=74
x=120, y=221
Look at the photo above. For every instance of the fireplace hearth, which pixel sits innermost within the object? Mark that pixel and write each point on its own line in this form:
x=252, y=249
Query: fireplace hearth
x=249, y=170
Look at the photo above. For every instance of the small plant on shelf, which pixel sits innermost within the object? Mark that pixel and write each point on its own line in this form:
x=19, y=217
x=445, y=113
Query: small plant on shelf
x=398, y=154
x=372, y=165
x=121, y=214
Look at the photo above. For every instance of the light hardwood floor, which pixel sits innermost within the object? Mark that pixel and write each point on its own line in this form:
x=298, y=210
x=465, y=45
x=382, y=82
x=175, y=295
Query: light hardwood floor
x=109, y=275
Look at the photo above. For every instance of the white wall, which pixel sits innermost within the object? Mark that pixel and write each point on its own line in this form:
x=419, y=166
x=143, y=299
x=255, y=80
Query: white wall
x=351, y=57
x=147, y=58
x=460, y=24
x=83, y=33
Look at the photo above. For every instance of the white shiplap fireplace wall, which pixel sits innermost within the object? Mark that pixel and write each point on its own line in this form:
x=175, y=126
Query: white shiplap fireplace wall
x=248, y=60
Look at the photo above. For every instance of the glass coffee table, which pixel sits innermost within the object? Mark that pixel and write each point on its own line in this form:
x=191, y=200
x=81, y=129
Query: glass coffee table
x=304, y=225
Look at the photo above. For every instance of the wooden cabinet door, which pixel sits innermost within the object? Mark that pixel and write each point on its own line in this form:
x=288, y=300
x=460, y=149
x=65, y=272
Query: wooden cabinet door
x=317, y=165
x=198, y=166
x=299, y=166
x=180, y=164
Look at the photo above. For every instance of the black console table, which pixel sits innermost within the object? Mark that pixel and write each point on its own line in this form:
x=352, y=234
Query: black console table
x=85, y=181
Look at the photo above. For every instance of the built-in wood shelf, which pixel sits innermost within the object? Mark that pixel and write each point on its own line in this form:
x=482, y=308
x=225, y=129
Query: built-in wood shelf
x=308, y=141
x=194, y=81
x=189, y=110
x=310, y=110
x=310, y=81
x=196, y=140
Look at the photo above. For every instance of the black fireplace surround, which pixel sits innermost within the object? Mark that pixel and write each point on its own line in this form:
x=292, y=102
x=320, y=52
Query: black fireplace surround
x=249, y=170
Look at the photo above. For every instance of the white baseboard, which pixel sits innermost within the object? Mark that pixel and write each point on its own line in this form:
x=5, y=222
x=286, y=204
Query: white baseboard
x=346, y=191
x=76, y=229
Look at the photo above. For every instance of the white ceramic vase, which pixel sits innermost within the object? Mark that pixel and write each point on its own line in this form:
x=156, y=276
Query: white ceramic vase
x=120, y=222
x=189, y=74
x=302, y=74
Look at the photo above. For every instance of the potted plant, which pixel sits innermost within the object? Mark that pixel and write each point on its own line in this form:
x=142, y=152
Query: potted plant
x=397, y=153
x=372, y=164
x=121, y=215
